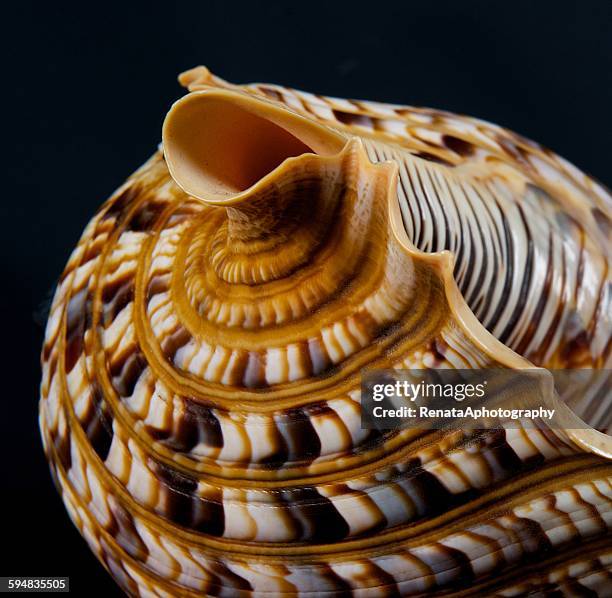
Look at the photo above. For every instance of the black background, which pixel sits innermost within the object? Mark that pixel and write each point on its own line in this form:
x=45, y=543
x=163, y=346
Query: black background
x=86, y=88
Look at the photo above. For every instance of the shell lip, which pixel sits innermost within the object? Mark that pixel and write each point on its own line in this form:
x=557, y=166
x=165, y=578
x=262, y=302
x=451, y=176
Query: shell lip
x=584, y=436
x=323, y=141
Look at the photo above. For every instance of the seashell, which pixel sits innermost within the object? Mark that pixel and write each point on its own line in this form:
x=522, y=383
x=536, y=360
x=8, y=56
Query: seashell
x=200, y=400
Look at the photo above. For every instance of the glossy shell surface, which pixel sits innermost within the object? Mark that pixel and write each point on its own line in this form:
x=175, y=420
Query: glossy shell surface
x=200, y=401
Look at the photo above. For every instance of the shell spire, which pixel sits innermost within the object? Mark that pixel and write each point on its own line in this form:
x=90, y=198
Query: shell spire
x=201, y=395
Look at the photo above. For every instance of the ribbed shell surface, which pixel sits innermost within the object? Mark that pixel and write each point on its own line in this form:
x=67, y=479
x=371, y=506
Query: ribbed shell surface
x=200, y=407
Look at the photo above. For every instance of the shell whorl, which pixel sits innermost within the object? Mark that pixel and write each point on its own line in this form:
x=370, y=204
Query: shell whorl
x=201, y=368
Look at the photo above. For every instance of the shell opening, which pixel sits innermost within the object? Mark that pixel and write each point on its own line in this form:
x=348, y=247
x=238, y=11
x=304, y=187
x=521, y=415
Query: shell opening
x=219, y=144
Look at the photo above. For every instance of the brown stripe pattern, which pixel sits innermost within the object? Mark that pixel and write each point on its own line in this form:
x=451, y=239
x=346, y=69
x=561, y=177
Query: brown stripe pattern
x=200, y=401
